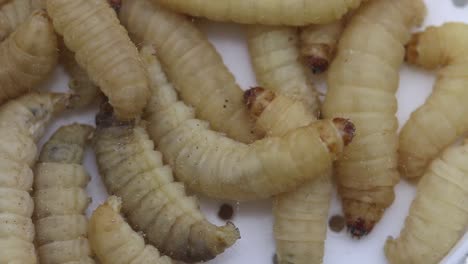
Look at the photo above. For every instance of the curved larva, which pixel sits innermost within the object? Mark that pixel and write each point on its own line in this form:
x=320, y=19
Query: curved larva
x=114, y=241
x=27, y=56
x=12, y=14
x=22, y=122
x=61, y=231
x=362, y=82
x=194, y=65
x=217, y=166
x=318, y=44
x=438, y=216
x=152, y=201
x=91, y=29
x=300, y=216
x=442, y=118
x=275, y=56
x=269, y=12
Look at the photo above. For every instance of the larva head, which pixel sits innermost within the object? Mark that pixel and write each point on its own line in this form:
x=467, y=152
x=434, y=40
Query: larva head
x=335, y=134
x=106, y=118
x=257, y=100
x=317, y=57
x=361, y=216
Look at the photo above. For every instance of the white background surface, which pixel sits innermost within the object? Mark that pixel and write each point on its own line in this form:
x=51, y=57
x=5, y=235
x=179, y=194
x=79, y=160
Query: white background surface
x=254, y=219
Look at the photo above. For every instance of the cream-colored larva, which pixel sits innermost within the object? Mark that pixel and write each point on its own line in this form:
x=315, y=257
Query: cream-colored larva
x=22, y=123
x=442, y=118
x=91, y=29
x=12, y=14
x=276, y=59
x=362, y=82
x=191, y=61
x=438, y=216
x=60, y=198
x=215, y=165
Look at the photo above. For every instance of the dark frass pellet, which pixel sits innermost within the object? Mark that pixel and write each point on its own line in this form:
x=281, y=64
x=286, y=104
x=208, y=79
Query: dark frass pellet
x=226, y=212
x=337, y=223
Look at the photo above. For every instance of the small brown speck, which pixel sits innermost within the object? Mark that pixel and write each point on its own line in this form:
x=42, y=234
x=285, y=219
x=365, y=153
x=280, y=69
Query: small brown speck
x=337, y=223
x=226, y=212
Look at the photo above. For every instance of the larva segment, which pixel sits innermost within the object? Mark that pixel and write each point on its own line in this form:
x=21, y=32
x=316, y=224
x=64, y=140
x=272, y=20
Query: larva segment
x=60, y=197
x=362, y=82
x=275, y=56
x=268, y=12
x=115, y=242
x=12, y=14
x=194, y=65
x=22, y=122
x=84, y=89
x=442, y=118
x=153, y=202
x=102, y=47
x=318, y=44
x=300, y=216
x=438, y=215
x=217, y=166
x=28, y=56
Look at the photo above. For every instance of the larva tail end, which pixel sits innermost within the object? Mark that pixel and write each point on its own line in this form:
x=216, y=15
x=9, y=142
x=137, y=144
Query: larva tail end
x=412, y=53
x=230, y=234
x=106, y=118
x=257, y=100
x=346, y=128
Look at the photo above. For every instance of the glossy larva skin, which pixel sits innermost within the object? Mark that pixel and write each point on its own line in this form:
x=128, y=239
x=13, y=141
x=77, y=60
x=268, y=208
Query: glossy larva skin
x=300, y=216
x=318, y=44
x=442, y=118
x=193, y=64
x=438, y=216
x=212, y=164
x=12, y=14
x=155, y=204
x=91, y=30
x=60, y=198
x=22, y=123
x=269, y=12
x=275, y=56
x=28, y=56
x=115, y=242
x=362, y=82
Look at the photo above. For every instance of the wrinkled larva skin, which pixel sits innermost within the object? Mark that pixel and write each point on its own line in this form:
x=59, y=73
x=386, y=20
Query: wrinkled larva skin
x=442, y=118
x=22, y=122
x=60, y=198
x=84, y=90
x=91, y=29
x=27, y=56
x=438, y=216
x=318, y=44
x=193, y=64
x=115, y=242
x=217, y=166
x=268, y=12
x=152, y=201
x=300, y=216
x=12, y=14
x=275, y=57
x=362, y=82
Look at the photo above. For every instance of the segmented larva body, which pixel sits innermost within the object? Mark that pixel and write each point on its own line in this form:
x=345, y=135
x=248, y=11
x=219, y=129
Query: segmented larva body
x=12, y=14
x=22, y=122
x=442, y=118
x=318, y=44
x=217, y=166
x=438, y=216
x=91, y=29
x=152, y=201
x=362, y=82
x=114, y=241
x=60, y=198
x=300, y=216
x=193, y=64
x=274, y=52
x=268, y=12
x=27, y=56
x=83, y=87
